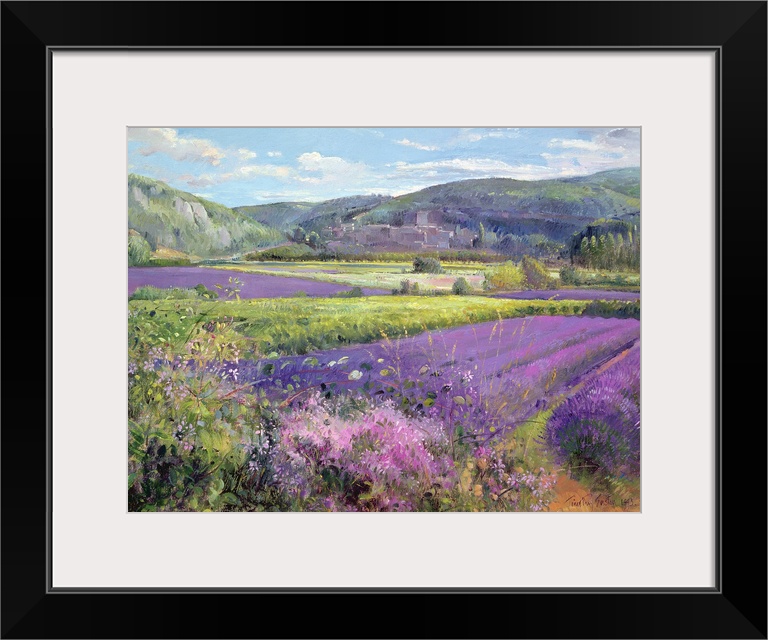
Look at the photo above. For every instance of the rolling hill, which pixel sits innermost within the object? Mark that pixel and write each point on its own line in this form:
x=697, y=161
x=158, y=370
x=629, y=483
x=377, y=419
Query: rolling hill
x=289, y=215
x=554, y=208
x=180, y=221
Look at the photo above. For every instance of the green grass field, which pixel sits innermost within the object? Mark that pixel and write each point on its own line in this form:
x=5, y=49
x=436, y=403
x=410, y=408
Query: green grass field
x=297, y=326
x=383, y=275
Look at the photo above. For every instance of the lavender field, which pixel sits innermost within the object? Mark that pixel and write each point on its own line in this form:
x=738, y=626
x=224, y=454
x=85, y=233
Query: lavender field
x=570, y=294
x=253, y=285
x=389, y=319
x=510, y=368
x=489, y=416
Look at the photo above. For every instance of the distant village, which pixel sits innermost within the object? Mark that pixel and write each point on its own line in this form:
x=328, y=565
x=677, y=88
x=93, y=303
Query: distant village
x=425, y=231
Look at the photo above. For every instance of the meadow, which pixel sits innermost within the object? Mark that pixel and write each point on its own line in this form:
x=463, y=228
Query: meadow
x=259, y=401
x=371, y=275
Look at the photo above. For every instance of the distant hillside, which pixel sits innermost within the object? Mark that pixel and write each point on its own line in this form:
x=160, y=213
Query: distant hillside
x=626, y=181
x=311, y=215
x=554, y=208
x=178, y=220
x=280, y=215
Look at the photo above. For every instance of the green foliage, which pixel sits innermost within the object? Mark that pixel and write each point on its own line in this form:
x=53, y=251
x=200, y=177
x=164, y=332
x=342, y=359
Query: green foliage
x=405, y=289
x=170, y=262
x=461, y=287
x=613, y=309
x=607, y=244
x=301, y=325
x=203, y=292
x=173, y=293
x=304, y=253
x=287, y=253
x=504, y=277
x=567, y=275
x=573, y=276
x=139, y=251
x=536, y=274
x=427, y=265
x=480, y=241
x=354, y=292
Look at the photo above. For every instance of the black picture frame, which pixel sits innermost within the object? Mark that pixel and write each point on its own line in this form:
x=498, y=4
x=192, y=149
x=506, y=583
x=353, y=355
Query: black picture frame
x=736, y=608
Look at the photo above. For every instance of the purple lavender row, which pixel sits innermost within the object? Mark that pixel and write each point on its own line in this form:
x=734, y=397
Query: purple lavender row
x=255, y=285
x=570, y=294
x=486, y=347
x=598, y=427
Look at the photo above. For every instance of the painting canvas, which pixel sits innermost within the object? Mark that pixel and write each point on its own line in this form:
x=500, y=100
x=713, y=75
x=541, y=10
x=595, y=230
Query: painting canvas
x=384, y=319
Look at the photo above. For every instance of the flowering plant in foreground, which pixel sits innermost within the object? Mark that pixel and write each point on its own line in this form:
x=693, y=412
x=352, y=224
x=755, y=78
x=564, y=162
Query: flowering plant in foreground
x=376, y=458
x=597, y=430
x=201, y=438
x=412, y=425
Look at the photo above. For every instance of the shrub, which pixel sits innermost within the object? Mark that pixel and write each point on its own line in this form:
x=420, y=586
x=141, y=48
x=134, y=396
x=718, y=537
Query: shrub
x=206, y=293
x=597, y=430
x=354, y=292
x=155, y=293
x=427, y=265
x=507, y=276
x=299, y=294
x=286, y=253
x=536, y=274
x=170, y=262
x=405, y=287
x=377, y=460
x=568, y=274
x=612, y=309
x=139, y=251
x=461, y=287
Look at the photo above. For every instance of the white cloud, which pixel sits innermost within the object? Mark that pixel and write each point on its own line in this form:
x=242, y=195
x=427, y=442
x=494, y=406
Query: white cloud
x=167, y=141
x=589, y=145
x=329, y=169
x=475, y=135
x=423, y=147
x=607, y=149
x=241, y=173
x=251, y=170
x=246, y=154
x=274, y=154
x=462, y=168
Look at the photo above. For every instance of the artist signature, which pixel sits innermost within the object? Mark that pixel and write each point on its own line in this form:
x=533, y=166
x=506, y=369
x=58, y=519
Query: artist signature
x=599, y=500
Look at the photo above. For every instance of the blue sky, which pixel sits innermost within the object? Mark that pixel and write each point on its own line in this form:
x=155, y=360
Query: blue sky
x=239, y=166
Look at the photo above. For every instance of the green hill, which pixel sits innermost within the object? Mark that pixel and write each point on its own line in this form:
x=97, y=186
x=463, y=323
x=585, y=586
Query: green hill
x=554, y=208
x=312, y=215
x=179, y=220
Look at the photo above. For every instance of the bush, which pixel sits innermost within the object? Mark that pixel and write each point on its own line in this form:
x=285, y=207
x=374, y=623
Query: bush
x=612, y=309
x=461, y=287
x=536, y=274
x=287, y=253
x=405, y=287
x=139, y=251
x=170, y=262
x=354, y=292
x=155, y=293
x=427, y=265
x=507, y=276
x=597, y=430
x=203, y=292
x=568, y=275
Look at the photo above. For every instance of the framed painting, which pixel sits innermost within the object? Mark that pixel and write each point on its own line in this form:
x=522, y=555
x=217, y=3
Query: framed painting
x=340, y=320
